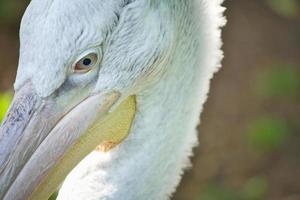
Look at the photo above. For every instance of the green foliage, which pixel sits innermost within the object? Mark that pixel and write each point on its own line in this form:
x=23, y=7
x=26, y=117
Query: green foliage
x=283, y=80
x=218, y=192
x=8, y=9
x=285, y=8
x=254, y=189
x=11, y=11
x=267, y=134
x=5, y=100
x=53, y=196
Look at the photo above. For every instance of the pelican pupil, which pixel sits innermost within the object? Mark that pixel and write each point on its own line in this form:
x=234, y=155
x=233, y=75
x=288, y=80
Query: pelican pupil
x=87, y=61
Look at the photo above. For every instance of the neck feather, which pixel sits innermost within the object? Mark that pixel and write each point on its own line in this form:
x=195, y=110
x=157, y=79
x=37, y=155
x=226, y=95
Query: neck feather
x=150, y=162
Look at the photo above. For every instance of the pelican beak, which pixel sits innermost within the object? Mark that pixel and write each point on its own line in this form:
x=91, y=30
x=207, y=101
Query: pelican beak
x=41, y=141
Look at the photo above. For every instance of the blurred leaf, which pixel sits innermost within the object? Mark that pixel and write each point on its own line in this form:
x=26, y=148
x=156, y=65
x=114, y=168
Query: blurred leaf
x=53, y=196
x=255, y=188
x=283, y=80
x=11, y=11
x=8, y=9
x=5, y=100
x=218, y=192
x=285, y=8
x=267, y=134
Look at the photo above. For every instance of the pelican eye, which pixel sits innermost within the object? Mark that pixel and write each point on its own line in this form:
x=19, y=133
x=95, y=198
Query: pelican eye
x=86, y=63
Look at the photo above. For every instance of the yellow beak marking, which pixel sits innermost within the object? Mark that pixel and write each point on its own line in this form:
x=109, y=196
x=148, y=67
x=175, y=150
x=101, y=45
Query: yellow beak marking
x=111, y=130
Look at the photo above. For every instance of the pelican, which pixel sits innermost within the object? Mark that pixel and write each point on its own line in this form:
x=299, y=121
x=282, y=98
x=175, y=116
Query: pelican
x=107, y=97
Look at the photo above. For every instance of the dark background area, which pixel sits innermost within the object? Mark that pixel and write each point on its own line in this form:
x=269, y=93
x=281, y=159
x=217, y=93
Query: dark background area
x=250, y=130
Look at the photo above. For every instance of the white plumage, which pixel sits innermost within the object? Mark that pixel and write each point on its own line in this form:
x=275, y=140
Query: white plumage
x=162, y=51
x=150, y=163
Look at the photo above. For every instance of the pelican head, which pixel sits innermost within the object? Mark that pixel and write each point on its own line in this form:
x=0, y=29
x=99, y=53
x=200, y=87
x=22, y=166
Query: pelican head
x=86, y=69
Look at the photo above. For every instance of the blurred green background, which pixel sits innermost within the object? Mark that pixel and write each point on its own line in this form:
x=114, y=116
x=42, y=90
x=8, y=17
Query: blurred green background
x=250, y=131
